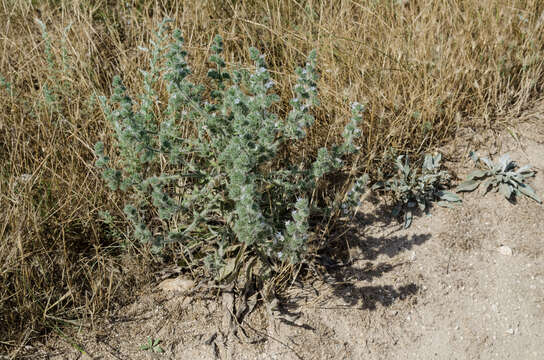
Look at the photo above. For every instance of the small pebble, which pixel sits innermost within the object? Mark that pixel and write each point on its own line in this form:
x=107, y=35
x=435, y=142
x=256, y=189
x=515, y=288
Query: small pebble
x=505, y=250
x=178, y=284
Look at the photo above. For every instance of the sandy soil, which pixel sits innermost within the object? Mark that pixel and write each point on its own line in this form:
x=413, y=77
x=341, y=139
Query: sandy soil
x=438, y=290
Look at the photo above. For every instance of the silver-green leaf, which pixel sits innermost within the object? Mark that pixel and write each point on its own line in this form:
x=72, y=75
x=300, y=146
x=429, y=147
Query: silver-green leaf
x=469, y=185
x=528, y=191
x=506, y=190
x=449, y=196
x=477, y=174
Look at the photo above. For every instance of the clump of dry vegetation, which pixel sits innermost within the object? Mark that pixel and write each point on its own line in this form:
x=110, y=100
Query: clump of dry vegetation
x=423, y=68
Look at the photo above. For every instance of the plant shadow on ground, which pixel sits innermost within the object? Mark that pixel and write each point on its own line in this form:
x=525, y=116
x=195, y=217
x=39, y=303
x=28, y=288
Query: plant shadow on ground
x=346, y=272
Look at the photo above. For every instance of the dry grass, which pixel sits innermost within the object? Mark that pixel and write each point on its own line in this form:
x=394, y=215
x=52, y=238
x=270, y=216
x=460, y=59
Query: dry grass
x=425, y=68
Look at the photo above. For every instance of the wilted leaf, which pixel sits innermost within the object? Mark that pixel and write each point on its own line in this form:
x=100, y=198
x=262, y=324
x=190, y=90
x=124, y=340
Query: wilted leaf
x=249, y=267
x=227, y=270
x=230, y=271
x=232, y=248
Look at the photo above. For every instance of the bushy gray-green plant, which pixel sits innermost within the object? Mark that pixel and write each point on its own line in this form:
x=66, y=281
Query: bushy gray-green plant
x=353, y=196
x=221, y=192
x=56, y=86
x=414, y=188
x=501, y=176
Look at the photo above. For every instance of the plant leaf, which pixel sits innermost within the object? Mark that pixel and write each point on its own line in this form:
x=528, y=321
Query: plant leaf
x=446, y=204
x=506, y=190
x=449, y=196
x=407, y=219
x=528, y=191
x=488, y=184
x=428, y=162
x=505, y=162
x=525, y=169
x=469, y=185
x=476, y=174
x=487, y=162
x=437, y=159
x=527, y=174
x=399, y=164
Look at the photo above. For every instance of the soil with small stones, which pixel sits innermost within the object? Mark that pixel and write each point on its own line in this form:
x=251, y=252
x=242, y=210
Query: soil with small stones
x=441, y=289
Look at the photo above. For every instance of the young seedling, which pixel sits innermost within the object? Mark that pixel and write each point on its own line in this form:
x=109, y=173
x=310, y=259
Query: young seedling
x=501, y=176
x=152, y=345
x=413, y=188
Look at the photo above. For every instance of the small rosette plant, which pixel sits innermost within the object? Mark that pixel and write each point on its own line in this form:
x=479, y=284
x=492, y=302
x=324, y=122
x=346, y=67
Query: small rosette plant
x=413, y=188
x=503, y=176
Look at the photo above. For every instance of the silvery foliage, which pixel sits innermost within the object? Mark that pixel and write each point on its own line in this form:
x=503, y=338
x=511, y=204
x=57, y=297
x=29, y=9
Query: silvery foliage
x=55, y=89
x=501, y=176
x=219, y=189
x=415, y=188
x=6, y=85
